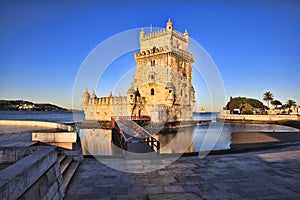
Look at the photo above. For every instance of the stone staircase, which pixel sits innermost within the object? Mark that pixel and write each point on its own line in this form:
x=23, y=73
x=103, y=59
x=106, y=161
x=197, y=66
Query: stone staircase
x=68, y=167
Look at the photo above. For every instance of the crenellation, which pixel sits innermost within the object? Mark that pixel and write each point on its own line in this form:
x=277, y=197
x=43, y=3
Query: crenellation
x=179, y=36
x=153, y=34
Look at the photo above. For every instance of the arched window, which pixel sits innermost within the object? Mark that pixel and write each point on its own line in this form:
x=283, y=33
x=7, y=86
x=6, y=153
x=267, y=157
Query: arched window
x=152, y=62
x=152, y=91
x=152, y=77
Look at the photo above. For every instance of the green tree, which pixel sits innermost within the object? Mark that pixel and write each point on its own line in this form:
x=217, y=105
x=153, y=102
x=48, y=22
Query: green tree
x=246, y=105
x=276, y=103
x=291, y=103
x=268, y=97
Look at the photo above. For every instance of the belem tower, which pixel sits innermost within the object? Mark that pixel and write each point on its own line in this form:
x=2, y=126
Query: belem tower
x=162, y=86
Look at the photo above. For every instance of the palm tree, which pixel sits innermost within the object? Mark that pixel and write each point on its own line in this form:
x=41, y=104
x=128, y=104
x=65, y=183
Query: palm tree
x=291, y=103
x=268, y=97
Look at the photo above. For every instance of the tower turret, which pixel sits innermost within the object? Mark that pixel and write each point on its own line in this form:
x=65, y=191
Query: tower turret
x=169, y=25
x=85, y=97
x=170, y=94
x=192, y=97
x=142, y=34
x=93, y=97
x=131, y=94
x=186, y=35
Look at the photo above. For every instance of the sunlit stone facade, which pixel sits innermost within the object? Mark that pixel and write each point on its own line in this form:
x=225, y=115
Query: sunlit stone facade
x=162, y=86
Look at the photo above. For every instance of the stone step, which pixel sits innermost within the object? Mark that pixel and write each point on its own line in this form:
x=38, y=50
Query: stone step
x=60, y=158
x=64, y=165
x=70, y=173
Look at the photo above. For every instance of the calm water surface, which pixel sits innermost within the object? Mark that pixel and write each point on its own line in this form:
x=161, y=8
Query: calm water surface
x=216, y=136
x=50, y=116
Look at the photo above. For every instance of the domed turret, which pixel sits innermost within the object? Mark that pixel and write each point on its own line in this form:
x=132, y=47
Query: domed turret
x=192, y=89
x=131, y=94
x=142, y=33
x=85, y=97
x=93, y=95
x=169, y=25
x=131, y=89
x=192, y=96
x=186, y=35
x=170, y=94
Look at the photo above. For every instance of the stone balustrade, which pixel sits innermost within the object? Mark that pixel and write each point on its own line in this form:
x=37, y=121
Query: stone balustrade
x=36, y=176
x=36, y=123
x=226, y=116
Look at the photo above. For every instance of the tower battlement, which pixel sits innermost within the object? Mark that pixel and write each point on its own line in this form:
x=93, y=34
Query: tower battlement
x=166, y=37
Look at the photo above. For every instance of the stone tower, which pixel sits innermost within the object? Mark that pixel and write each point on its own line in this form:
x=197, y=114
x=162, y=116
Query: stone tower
x=162, y=87
x=164, y=74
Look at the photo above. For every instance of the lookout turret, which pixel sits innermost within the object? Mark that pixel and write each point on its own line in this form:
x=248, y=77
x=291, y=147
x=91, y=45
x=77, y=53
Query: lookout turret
x=85, y=97
x=169, y=25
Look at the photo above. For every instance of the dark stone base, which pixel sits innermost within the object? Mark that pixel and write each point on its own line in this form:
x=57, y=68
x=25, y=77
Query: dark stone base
x=93, y=124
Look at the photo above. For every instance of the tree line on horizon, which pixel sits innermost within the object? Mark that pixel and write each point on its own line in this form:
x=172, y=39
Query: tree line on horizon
x=269, y=98
x=20, y=105
x=255, y=106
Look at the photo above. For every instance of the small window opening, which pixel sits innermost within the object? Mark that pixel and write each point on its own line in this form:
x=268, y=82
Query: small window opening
x=152, y=62
x=152, y=91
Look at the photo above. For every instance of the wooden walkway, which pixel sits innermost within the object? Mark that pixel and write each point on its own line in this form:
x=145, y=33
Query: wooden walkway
x=134, y=138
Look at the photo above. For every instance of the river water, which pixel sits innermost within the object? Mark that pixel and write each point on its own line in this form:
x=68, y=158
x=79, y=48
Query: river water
x=49, y=116
x=205, y=137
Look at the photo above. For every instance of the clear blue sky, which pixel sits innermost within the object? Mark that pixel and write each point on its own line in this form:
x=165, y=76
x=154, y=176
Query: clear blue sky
x=255, y=44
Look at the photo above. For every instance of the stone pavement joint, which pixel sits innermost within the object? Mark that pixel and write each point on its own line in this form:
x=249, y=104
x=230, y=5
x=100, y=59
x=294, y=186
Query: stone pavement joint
x=269, y=174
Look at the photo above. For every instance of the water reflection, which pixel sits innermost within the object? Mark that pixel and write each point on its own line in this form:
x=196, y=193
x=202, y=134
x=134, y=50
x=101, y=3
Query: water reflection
x=194, y=139
x=96, y=142
x=176, y=142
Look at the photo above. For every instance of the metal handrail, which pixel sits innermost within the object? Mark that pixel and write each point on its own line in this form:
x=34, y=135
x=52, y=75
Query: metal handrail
x=150, y=140
x=123, y=139
x=143, y=117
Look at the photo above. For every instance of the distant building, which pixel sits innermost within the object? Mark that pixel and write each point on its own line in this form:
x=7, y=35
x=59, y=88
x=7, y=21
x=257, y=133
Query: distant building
x=162, y=86
x=26, y=107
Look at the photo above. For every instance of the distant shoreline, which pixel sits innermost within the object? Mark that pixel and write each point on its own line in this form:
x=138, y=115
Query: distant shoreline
x=22, y=105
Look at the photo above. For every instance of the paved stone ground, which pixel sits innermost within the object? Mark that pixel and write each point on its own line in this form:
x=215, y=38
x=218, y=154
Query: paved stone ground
x=270, y=174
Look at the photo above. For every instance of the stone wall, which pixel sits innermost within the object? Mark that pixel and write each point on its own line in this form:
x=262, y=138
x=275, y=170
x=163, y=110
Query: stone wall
x=237, y=117
x=14, y=154
x=36, y=123
x=105, y=111
x=36, y=176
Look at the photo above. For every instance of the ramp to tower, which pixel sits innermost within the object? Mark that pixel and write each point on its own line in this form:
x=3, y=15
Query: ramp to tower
x=132, y=137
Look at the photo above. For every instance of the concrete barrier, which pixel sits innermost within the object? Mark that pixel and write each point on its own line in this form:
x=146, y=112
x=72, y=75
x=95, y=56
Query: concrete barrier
x=39, y=170
x=14, y=154
x=268, y=118
x=54, y=137
x=36, y=123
